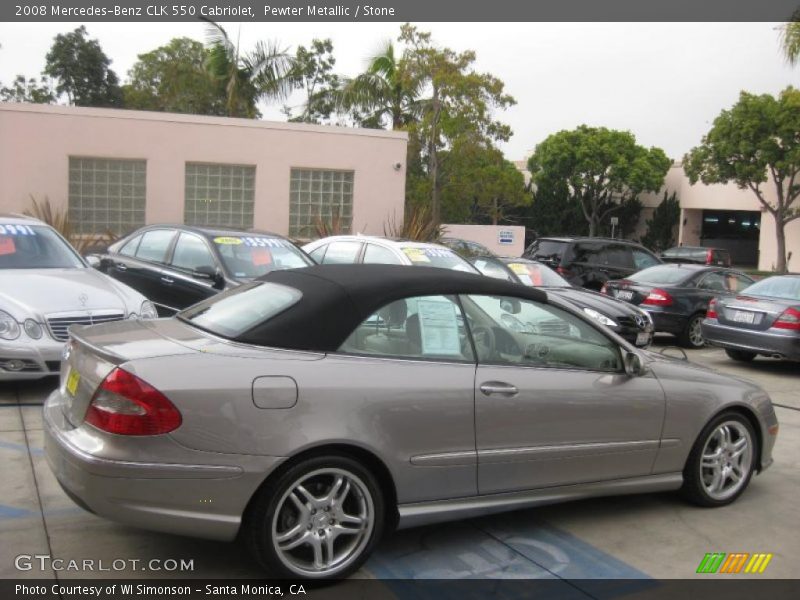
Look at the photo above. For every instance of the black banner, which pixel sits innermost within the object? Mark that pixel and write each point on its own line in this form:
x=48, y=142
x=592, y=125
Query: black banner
x=398, y=10
x=401, y=589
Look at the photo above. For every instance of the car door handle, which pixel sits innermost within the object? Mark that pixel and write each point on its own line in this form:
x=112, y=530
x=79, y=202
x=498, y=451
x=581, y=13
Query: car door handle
x=121, y=267
x=167, y=280
x=498, y=388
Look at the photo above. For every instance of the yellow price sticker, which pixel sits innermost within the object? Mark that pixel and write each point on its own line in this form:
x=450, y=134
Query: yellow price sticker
x=73, y=379
x=518, y=268
x=416, y=255
x=228, y=241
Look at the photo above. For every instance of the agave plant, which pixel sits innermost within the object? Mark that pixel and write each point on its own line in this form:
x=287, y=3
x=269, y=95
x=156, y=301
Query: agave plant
x=418, y=225
x=325, y=228
x=59, y=220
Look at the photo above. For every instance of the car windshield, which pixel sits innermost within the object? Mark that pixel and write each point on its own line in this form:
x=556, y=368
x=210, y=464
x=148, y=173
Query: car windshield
x=250, y=256
x=238, y=310
x=532, y=274
x=784, y=287
x=432, y=256
x=661, y=274
x=34, y=247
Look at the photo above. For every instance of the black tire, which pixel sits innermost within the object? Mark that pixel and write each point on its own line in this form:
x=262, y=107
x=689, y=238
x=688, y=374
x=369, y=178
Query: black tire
x=740, y=355
x=257, y=528
x=688, y=337
x=694, y=487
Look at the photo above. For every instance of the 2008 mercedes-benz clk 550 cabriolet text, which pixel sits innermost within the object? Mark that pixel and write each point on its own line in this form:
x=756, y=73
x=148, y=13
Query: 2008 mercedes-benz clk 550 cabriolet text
x=316, y=408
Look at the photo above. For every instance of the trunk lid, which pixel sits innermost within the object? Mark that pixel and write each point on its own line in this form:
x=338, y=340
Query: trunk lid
x=751, y=312
x=628, y=291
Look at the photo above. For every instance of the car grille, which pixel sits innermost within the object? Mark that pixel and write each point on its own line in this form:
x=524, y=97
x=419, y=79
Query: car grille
x=553, y=327
x=59, y=326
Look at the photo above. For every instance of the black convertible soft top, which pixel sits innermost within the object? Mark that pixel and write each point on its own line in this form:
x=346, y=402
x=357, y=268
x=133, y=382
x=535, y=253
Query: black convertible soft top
x=337, y=298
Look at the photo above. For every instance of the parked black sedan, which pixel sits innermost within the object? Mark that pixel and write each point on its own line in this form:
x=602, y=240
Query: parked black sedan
x=764, y=319
x=628, y=322
x=677, y=295
x=175, y=266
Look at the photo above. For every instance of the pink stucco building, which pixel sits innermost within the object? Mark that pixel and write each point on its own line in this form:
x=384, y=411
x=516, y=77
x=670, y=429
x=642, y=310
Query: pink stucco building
x=118, y=169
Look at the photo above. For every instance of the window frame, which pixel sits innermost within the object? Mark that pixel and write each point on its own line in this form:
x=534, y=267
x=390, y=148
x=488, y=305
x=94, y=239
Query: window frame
x=307, y=191
x=214, y=260
x=167, y=252
x=247, y=212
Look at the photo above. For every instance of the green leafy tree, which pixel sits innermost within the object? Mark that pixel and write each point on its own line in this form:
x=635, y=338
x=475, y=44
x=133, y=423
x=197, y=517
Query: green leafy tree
x=790, y=39
x=313, y=73
x=628, y=214
x=479, y=185
x=82, y=70
x=174, y=78
x=28, y=90
x=248, y=78
x=457, y=101
x=601, y=168
x=662, y=227
x=754, y=144
x=552, y=211
x=383, y=95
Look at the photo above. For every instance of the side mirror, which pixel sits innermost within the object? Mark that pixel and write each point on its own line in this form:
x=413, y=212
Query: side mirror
x=205, y=272
x=93, y=260
x=511, y=306
x=633, y=364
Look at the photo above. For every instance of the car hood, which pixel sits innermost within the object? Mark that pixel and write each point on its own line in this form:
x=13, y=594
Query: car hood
x=28, y=292
x=608, y=306
x=670, y=367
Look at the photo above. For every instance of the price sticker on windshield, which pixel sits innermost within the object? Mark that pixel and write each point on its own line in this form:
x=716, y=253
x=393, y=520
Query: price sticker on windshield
x=11, y=229
x=7, y=245
x=416, y=255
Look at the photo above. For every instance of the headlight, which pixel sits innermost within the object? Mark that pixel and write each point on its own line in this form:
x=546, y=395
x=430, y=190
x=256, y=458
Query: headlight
x=9, y=328
x=600, y=317
x=33, y=329
x=148, y=310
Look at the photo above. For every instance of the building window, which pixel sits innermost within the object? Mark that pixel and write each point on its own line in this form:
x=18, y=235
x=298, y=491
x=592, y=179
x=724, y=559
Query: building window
x=106, y=195
x=317, y=195
x=219, y=195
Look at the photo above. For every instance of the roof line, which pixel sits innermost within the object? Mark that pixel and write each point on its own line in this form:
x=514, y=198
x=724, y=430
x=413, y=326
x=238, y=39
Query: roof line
x=190, y=119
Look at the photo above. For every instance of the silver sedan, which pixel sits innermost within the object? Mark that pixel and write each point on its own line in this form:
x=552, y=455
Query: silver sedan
x=318, y=408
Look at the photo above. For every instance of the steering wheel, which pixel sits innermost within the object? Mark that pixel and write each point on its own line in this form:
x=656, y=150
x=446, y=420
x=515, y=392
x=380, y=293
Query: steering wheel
x=484, y=340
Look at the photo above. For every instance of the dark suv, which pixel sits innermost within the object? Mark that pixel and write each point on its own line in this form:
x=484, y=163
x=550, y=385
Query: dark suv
x=175, y=266
x=590, y=262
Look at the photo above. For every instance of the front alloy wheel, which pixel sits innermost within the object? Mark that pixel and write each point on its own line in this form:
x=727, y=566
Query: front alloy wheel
x=692, y=336
x=320, y=521
x=722, y=461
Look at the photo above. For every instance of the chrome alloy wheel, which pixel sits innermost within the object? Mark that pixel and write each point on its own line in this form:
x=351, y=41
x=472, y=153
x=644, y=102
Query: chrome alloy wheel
x=726, y=460
x=696, y=332
x=323, y=522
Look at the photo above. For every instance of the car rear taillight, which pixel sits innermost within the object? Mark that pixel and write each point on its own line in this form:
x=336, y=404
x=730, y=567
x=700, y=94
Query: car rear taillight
x=709, y=257
x=564, y=272
x=127, y=405
x=604, y=289
x=658, y=297
x=711, y=313
x=789, y=319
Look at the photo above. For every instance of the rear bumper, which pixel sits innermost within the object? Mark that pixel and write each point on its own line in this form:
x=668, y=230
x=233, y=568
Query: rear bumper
x=666, y=322
x=760, y=342
x=40, y=357
x=205, y=498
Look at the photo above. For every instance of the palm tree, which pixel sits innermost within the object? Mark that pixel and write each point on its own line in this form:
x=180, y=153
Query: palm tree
x=382, y=92
x=790, y=39
x=261, y=74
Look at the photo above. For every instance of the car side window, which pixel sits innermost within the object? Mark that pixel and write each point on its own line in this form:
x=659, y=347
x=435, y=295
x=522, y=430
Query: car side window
x=154, y=245
x=587, y=253
x=318, y=253
x=342, y=253
x=423, y=327
x=713, y=282
x=642, y=260
x=616, y=256
x=191, y=252
x=378, y=255
x=522, y=332
x=129, y=249
x=736, y=282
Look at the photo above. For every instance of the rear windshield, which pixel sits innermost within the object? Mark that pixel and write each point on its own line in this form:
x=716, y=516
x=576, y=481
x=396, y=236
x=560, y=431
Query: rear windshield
x=661, y=274
x=537, y=275
x=787, y=288
x=34, y=247
x=238, y=310
x=252, y=256
x=548, y=249
x=444, y=258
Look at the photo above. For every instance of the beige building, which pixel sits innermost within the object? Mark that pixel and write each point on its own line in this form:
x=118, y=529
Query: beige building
x=118, y=170
x=727, y=217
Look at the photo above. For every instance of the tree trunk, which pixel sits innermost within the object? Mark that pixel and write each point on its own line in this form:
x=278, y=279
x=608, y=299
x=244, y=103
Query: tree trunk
x=433, y=160
x=780, y=234
x=592, y=226
x=494, y=212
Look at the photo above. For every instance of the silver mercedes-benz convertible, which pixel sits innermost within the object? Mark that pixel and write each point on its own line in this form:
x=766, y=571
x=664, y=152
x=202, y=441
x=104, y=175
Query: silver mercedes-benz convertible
x=314, y=409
